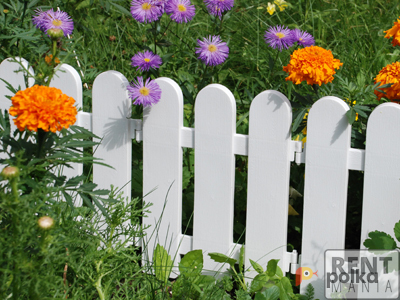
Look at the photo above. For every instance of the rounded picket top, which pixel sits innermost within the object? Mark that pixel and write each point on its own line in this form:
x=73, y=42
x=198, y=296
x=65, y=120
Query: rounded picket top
x=67, y=79
x=215, y=128
x=112, y=109
x=12, y=72
x=382, y=170
x=270, y=107
x=162, y=162
x=270, y=121
x=169, y=110
x=325, y=183
x=330, y=112
x=215, y=95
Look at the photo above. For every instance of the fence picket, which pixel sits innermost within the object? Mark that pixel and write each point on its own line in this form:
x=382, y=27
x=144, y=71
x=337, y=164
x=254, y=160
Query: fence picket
x=111, y=112
x=325, y=188
x=162, y=169
x=67, y=79
x=382, y=171
x=327, y=159
x=215, y=126
x=268, y=178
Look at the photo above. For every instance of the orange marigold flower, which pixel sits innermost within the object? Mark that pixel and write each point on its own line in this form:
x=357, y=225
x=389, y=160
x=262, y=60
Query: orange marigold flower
x=48, y=59
x=43, y=107
x=389, y=74
x=395, y=33
x=314, y=64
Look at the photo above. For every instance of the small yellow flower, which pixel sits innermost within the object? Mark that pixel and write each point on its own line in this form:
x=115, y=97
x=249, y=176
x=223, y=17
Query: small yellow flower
x=282, y=4
x=271, y=8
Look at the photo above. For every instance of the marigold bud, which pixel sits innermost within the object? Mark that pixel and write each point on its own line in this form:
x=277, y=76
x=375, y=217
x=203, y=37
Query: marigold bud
x=10, y=172
x=55, y=33
x=46, y=222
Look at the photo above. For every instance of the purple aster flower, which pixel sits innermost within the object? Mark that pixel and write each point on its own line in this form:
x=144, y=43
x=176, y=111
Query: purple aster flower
x=145, y=11
x=217, y=7
x=50, y=19
x=161, y=4
x=212, y=51
x=279, y=37
x=180, y=10
x=146, y=60
x=302, y=38
x=145, y=94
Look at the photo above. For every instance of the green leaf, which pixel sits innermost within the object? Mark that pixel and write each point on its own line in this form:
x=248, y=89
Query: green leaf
x=222, y=258
x=192, y=263
x=187, y=94
x=166, y=58
x=287, y=286
x=380, y=240
x=162, y=263
x=205, y=280
x=121, y=9
x=258, y=282
x=256, y=267
x=299, y=118
x=271, y=293
x=361, y=109
x=351, y=115
x=271, y=267
x=282, y=292
x=68, y=198
x=100, y=206
x=241, y=259
x=74, y=181
x=397, y=231
x=279, y=272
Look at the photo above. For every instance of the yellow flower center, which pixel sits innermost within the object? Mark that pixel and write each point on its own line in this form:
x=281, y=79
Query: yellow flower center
x=212, y=48
x=300, y=39
x=181, y=7
x=147, y=59
x=144, y=91
x=56, y=22
x=146, y=6
x=280, y=35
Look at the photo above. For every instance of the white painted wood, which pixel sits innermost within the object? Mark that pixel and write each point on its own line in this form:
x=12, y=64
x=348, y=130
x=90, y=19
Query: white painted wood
x=67, y=79
x=381, y=201
x=12, y=72
x=325, y=188
x=162, y=169
x=327, y=156
x=270, y=152
x=111, y=112
x=215, y=119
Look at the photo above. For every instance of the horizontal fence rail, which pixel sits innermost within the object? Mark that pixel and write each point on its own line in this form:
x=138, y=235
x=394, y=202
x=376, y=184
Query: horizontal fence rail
x=327, y=156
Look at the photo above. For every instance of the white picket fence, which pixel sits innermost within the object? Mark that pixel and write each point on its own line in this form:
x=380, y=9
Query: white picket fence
x=328, y=157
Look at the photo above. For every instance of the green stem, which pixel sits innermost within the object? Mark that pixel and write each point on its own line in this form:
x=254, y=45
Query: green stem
x=41, y=138
x=14, y=189
x=240, y=281
x=315, y=87
x=53, y=59
x=98, y=282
